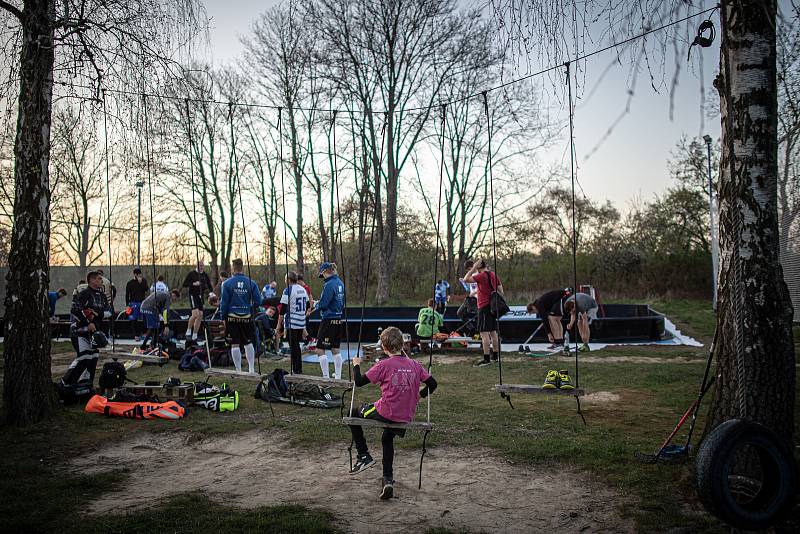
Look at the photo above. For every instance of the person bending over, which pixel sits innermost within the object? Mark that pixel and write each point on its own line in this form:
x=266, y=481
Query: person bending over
x=154, y=309
x=197, y=282
x=586, y=313
x=399, y=378
x=52, y=298
x=240, y=297
x=487, y=282
x=331, y=307
x=292, y=308
x=89, y=308
x=549, y=308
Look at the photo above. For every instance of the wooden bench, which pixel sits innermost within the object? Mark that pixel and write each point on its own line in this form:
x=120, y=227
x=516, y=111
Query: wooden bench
x=319, y=380
x=233, y=374
x=183, y=392
x=143, y=357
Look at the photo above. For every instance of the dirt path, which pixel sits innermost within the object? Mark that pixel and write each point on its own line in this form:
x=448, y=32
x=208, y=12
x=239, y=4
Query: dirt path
x=463, y=489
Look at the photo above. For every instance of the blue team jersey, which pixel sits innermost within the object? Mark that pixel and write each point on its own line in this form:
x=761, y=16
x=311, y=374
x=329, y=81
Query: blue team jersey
x=331, y=302
x=441, y=291
x=240, y=296
x=268, y=292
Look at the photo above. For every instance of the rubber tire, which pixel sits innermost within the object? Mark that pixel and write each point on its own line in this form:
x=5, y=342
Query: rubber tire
x=778, y=490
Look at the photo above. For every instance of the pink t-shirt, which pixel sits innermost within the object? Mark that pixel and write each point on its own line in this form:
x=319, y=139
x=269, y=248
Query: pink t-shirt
x=399, y=378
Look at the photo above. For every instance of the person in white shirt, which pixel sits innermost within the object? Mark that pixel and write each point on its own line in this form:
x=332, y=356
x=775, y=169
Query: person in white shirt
x=159, y=286
x=292, y=318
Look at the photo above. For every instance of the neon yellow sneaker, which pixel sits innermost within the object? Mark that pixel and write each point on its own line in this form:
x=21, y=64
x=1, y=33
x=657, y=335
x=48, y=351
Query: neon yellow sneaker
x=563, y=380
x=551, y=380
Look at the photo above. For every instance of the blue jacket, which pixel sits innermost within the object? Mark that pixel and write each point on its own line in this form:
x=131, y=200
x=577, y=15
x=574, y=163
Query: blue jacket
x=240, y=296
x=331, y=302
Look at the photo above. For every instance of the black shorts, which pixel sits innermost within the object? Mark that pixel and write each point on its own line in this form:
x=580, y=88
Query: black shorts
x=240, y=330
x=486, y=321
x=196, y=302
x=329, y=335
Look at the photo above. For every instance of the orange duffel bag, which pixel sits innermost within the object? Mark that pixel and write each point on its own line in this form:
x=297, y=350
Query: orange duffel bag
x=136, y=410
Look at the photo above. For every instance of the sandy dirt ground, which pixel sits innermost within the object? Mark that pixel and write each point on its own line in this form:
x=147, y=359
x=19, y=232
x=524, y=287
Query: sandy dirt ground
x=460, y=359
x=463, y=489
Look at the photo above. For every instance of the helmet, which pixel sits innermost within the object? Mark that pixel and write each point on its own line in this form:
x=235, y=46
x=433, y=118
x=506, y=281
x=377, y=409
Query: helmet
x=99, y=340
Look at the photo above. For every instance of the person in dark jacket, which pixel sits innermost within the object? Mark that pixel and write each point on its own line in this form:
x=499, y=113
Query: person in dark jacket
x=240, y=298
x=331, y=308
x=89, y=308
x=135, y=293
x=197, y=282
x=550, y=309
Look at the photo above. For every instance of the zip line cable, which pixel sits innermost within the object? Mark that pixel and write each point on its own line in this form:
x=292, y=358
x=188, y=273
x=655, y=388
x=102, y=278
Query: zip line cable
x=404, y=110
x=108, y=219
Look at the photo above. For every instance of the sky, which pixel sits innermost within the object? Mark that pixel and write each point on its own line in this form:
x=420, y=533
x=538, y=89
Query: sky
x=630, y=164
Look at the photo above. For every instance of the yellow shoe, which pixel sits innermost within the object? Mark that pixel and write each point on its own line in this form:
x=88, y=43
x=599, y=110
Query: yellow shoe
x=551, y=380
x=563, y=380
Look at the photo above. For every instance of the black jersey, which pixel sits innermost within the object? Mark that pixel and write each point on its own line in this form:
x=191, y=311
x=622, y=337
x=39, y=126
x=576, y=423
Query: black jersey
x=194, y=276
x=88, y=307
x=550, y=303
x=135, y=291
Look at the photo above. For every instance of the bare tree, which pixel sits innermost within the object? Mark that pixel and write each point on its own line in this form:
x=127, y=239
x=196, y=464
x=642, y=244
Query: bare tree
x=101, y=42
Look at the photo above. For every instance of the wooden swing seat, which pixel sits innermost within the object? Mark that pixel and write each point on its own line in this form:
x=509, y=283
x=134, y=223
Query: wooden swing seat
x=420, y=426
x=232, y=374
x=537, y=390
x=319, y=380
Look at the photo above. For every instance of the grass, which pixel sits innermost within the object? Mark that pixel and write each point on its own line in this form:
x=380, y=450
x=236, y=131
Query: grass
x=37, y=493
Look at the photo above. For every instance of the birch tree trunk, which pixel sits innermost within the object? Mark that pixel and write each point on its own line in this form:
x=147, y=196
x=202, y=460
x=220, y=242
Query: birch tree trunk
x=28, y=394
x=754, y=351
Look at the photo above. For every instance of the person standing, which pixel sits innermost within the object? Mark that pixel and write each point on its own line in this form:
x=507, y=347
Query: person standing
x=197, y=282
x=89, y=308
x=270, y=290
x=52, y=299
x=240, y=297
x=331, y=308
x=292, y=309
x=442, y=295
x=160, y=286
x=487, y=282
x=135, y=293
x=586, y=313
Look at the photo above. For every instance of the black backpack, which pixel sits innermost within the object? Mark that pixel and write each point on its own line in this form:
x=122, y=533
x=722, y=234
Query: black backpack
x=113, y=375
x=497, y=303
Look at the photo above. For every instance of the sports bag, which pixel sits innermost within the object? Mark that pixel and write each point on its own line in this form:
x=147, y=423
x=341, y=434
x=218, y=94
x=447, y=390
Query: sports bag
x=137, y=410
x=74, y=393
x=497, y=303
x=113, y=375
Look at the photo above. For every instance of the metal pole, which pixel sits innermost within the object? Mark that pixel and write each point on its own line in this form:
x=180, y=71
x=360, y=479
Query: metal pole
x=712, y=224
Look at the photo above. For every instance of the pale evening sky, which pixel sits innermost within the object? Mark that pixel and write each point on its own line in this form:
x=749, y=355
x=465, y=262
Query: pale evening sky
x=630, y=163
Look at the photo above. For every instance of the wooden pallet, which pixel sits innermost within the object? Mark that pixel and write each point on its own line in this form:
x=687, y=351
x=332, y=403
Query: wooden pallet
x=183, y=393
x=537, y=390
x=146, y=358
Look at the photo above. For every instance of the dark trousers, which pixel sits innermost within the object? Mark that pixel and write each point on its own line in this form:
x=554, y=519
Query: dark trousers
x=295, y=338
x=85, y=360
x=387, y=438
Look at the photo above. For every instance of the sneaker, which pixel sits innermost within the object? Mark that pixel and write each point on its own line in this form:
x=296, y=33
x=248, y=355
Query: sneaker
x=482, y=363
x=564, y=380
x=362, y=463
x=566, y=350
x=527, y=348
x=521, y=348
x=554, y=346
x=387, y=491
x=584, y=348
x=495, y=356
x=551, y=380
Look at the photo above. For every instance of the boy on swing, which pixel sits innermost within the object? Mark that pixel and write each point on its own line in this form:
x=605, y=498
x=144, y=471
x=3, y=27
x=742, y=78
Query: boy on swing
x=399, y=378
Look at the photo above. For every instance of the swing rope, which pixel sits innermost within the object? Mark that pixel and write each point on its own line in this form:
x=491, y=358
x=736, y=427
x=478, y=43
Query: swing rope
x=288, y=320
x=574, y=224
x=108, y=218
x=335, y=174
x=150, y=196
x=376, y=203
x=490, y=165
x=194, y=215
x=244, y=229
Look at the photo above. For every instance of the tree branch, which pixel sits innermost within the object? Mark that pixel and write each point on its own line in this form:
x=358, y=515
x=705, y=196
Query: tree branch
x=11, y=9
